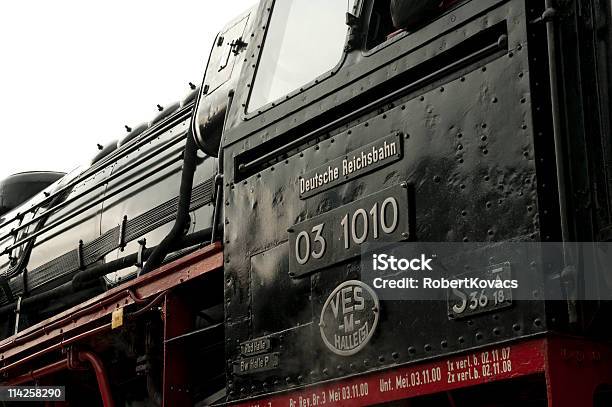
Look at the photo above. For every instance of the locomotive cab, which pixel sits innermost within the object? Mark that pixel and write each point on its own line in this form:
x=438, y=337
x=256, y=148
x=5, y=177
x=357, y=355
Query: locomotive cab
x=426, y=109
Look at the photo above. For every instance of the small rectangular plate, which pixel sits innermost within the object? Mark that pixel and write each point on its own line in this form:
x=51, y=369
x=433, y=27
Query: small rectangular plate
x=373, y=156
x=117, y=318
x=260, y=363
x=464, y=303
x=255, y=347
x=337, y=235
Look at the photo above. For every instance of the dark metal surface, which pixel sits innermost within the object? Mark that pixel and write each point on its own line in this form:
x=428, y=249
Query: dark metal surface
x=461, y=92
x=500, y=112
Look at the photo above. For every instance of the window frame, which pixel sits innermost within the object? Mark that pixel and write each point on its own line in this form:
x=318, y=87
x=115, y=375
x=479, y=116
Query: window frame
x=259, y=37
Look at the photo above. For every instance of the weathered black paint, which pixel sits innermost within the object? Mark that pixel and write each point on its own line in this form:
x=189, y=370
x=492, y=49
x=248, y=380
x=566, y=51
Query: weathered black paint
x=470, y=94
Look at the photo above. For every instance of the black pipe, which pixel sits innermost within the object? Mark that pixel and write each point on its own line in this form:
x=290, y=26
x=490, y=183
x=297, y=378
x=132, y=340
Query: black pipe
x=219, y=177
x=568, y=275
x=87, y=278
x=63, y=290
x=181, y=223
x=82, y=277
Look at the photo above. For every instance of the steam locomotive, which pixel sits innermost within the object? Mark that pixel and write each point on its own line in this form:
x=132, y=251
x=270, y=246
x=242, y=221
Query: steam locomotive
x=464, y=120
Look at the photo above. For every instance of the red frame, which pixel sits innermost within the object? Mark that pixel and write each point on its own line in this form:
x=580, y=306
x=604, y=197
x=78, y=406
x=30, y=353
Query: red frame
x=20, y=354
x=573, y=369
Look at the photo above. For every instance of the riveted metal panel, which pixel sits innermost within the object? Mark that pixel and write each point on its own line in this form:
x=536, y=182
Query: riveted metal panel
x=469, y=153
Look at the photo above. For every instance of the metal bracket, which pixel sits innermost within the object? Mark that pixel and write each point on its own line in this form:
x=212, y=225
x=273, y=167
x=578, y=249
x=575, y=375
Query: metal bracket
x=122, y=228
x=80, y=260
x=17, y=314
x=72, y=357
x=217, y=195
x=25, y=281
x=140, y=258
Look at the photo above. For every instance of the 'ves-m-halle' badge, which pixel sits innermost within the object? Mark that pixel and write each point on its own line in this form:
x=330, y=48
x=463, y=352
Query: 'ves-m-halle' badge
x=349, y=318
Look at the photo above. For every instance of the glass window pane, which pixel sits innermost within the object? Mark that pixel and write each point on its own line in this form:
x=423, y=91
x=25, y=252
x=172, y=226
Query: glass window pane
x=305, y=39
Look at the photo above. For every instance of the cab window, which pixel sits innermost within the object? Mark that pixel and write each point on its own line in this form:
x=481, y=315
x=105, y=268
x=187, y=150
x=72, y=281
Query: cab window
x=305, y=39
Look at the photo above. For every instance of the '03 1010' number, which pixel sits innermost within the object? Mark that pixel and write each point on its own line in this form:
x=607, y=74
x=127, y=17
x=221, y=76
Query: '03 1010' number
x=356, y=228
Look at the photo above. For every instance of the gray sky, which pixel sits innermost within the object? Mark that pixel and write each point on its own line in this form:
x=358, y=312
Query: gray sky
x=73, y=72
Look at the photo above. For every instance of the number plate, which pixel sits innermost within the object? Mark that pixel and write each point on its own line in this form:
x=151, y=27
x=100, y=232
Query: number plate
x=466, y=303
x=338, y=234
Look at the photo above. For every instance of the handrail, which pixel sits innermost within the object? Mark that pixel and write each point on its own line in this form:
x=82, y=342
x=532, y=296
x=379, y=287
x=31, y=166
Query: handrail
x=91, y=205
x=103, y=182
x=146, y=137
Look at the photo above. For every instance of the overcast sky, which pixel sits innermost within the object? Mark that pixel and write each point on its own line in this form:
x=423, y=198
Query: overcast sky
x=73, y=72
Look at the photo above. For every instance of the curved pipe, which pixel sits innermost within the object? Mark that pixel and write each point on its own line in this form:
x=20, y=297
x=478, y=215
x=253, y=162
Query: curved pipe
x=101, y=376
x=182, y=216
x=83, y=356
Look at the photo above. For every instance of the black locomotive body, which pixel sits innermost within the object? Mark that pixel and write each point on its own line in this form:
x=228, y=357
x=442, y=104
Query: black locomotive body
x=124, y=202
x=466, y=95
x=470, y=120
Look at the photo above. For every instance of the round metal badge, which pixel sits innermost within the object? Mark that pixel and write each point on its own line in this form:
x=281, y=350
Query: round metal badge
x=349, y=318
